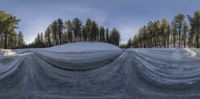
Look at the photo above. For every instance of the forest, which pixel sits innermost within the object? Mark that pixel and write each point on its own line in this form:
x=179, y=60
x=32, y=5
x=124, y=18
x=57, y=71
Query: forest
x=57, y=33
x=183, y=31
x=9, y=38
x=75, y=30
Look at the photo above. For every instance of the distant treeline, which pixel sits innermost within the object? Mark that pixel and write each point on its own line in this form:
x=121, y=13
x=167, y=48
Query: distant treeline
x=9, y=38
x=59, y=32
x=182, y=32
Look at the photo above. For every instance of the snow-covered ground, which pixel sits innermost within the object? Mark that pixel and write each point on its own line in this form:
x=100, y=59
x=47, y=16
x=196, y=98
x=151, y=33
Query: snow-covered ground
x=82, y=46
x=99, y=70
x=6, y=53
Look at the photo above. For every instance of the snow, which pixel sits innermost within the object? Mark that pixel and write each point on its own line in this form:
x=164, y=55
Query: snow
x=82, y=46
x=191, y=52
x=6, y=53
x=99, y=70
x=1, y=54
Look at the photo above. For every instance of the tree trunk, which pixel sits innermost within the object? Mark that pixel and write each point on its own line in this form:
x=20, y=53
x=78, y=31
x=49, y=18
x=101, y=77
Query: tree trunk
x=197, y=41
x=184, y=43
x=179, y=37
x=5, y=42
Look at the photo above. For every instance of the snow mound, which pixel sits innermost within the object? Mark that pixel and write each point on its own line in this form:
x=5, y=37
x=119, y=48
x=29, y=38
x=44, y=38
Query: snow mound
x=80, y=56
x=82, y=46
x=6, y=53
x=1, y=54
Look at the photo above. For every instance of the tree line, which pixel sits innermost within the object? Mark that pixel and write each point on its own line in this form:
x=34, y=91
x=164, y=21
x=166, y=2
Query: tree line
x=183, y=31
x=60, y=32
x=9, y=38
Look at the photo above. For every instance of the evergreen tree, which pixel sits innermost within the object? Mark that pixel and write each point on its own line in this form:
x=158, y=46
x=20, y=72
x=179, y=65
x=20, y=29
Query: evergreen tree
x=102, y=34
x=60, y=29
x=12, y=40
x=165, y=30
x=184, y=36
x=54, y=30
x=77, y=28
x=129, y=44
x=48, y=37
x=8, y=24
x=115, y=37
x=94, y=31
x=84, y=32
x=41, y=40
x=179, y=22
x=174, y=32
x=20, y=39
x=69, y=30
x=195, y=27
x=157, y=31
x=107, y=36
x=88, y=27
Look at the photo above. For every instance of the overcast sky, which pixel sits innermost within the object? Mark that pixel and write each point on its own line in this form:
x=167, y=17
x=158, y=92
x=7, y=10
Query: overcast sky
x=126, y=15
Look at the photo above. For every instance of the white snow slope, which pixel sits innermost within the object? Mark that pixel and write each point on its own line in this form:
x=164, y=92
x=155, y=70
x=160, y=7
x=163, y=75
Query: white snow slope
x=99, y=70
x=82, y=46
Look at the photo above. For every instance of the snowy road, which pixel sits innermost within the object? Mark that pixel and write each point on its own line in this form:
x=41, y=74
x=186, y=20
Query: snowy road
x=109, y=73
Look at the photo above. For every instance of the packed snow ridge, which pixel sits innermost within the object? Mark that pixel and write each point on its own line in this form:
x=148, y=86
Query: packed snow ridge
x=99, y=70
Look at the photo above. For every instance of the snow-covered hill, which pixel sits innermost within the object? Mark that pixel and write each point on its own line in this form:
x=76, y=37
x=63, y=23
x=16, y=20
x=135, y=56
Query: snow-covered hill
x=82, y=46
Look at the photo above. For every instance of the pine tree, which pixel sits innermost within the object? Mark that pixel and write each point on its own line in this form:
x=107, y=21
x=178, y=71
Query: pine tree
x=102, y=34
x=150, y=27
x=115, y=37
x=184, y=36
x=84, y=32
x=157, y=31
x=179, y=22
x=77, y=28
x=60, y=30
x=8, y=24
x=69, y=30
x=129, y=44
x=107, y=36
x=48, y=37
x=196, y=27
x=20, y=39
x=54, y=30
x=12, y=40
x=41, y=40
x=165, y=32
x=88, y=26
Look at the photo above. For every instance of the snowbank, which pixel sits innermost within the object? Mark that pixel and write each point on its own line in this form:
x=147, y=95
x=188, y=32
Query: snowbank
x=82, y=46
x=6, y=53
x=1, y=54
